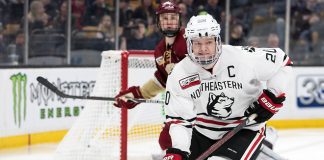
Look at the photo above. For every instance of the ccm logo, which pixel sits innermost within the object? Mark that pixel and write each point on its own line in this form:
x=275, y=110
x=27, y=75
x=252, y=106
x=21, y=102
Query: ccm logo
x=189, y=81
x=270, y=107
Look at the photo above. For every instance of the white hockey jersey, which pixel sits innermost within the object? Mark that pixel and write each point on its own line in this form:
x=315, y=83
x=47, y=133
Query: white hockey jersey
x=235, y=82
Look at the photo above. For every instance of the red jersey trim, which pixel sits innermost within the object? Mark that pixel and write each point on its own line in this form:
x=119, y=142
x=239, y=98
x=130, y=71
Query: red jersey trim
x=216, y=122
x=189, y=81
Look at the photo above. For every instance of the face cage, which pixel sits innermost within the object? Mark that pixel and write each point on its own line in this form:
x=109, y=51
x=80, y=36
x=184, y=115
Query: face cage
x=168, y=33
x=205, y=61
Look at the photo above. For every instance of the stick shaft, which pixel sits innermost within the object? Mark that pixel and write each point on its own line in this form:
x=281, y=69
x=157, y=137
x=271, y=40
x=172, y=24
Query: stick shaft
x=50, y=86
x=228, y=136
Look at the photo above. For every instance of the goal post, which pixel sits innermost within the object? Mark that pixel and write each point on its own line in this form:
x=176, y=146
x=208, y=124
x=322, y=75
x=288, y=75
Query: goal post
x=103, y=131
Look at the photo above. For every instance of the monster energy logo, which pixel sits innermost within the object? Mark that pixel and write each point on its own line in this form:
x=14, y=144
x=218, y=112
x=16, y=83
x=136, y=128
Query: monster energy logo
x=19, y=83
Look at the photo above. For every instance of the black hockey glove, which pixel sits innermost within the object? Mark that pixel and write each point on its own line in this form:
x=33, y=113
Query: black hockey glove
x=176, y=154
x=266, y=106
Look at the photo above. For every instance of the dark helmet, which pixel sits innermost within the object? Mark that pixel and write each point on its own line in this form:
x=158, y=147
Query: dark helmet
x=168, y=7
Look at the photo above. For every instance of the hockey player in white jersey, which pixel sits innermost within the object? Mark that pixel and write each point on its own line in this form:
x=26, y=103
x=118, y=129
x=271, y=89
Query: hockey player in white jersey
x=210, y=91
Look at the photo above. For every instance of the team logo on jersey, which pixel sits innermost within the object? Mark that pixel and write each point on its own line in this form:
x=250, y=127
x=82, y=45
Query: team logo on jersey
x=167, y=56
x=219, y=106
x=189, y=81
x=160, y=60
x=164, y=59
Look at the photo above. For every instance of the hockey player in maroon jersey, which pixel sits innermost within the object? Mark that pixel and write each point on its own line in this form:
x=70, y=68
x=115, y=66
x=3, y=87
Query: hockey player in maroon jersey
x=170, y=50
x=214, y=87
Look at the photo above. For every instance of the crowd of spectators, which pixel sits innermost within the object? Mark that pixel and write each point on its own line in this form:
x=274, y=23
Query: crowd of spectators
x=94, y=19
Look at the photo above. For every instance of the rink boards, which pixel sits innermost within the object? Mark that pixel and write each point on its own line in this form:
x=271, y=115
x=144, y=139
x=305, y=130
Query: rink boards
x=30, y=114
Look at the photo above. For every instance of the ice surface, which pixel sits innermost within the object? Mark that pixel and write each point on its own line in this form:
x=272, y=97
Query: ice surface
x=294, y=144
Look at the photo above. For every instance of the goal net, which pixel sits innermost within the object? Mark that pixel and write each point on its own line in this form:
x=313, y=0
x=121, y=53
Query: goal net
x=96, y=134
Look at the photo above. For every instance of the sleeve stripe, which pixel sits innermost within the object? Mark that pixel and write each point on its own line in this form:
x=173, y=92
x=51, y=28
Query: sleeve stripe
x=285, y=57
x=289, y=62
x=182, y=123
x=204, y=114
x=208, y=121
x=180, y=118
x=215, y=129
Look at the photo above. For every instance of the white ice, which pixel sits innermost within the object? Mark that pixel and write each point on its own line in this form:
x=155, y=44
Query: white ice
x=294, y=144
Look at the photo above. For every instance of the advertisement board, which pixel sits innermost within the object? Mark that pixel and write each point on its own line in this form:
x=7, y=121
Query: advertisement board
x=26, y=106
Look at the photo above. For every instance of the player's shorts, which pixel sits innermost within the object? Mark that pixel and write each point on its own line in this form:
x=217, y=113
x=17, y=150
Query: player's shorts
x=245, y=143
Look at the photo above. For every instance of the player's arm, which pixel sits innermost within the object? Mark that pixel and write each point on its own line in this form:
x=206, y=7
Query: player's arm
x=275, y=69
x=266, y=62
x=147, y=91
x=180, y=115
x=157, y=84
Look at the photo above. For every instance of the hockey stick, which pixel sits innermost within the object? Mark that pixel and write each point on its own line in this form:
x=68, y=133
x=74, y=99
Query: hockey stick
x=229, y=135
x=50, y=86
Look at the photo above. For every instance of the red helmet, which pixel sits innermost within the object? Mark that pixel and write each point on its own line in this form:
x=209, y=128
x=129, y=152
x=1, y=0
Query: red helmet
x=168, y=7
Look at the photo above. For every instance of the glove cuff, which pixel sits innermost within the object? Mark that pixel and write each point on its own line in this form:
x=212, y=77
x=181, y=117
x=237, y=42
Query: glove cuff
x=170, y=156
x=184, y=155
x=270, y=102
x=136, y=91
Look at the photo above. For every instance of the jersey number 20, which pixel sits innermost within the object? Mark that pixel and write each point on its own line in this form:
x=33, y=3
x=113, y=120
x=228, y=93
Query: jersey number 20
x=270, y=55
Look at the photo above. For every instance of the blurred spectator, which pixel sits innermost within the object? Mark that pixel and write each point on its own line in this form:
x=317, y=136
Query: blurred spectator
x=78, y=11
x=145, y=11
x=199, y=2
x=37, y=18
x=184, y=16
x=20, y=46
x=60, y=21
x=12, y=57
x=213, y=8
x=95, y=11
x=10, y=31
x=201, y=10
x=280, y=30
x=222, y=24
x=125, y=14
x=138, y=40
x=305, y=18
x=237, y=36
x=106, y=26
x=253, y=41
x=2, y=45
x=15, y=11
x=51, y=8
x=191, y=10
x=243, y=14
x=273, y=41
x=3, y=11
x=155, y=36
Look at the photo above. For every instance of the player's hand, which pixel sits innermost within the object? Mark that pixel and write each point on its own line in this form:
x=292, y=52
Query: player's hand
x=266, y=106
x=124, y=98
x=176, y=154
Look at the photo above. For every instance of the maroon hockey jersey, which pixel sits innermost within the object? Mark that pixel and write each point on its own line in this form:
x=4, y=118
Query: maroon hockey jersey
x=167, y=56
